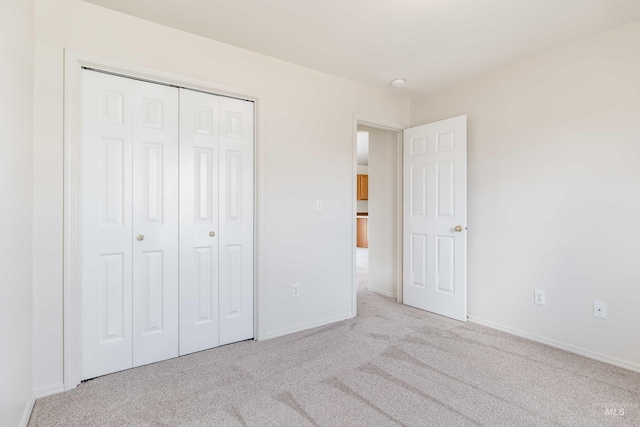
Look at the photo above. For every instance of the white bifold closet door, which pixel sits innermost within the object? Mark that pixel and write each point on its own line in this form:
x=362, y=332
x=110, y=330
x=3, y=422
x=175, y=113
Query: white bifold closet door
x=128, y=223
x=166, y=222
x=216, y=220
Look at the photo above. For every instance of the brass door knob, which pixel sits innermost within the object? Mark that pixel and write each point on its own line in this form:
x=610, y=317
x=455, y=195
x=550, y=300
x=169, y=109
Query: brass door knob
x=458, y=228
x=140, y=237
x=212, y=233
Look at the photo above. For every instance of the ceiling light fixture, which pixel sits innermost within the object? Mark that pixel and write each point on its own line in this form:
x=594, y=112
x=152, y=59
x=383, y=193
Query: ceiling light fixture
x=398, y=82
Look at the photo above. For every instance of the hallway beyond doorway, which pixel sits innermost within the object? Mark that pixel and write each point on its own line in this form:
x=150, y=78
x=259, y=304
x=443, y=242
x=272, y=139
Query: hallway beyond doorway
x=362, y=261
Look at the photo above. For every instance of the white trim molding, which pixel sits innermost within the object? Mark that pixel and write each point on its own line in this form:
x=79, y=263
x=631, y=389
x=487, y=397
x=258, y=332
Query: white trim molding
x=306, y=326
x=378, y=123
x=49, y=390
x=74, y=62
x=26, y=415
x=558, y=344
x=383, y=293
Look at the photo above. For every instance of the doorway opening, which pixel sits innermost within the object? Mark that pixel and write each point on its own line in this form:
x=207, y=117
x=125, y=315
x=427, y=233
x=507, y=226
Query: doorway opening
x=362, y=209
x=416, y=215
x=378, y=210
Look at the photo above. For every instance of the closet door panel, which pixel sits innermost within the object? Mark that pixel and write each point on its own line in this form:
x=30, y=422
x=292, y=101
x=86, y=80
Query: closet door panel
x=236, y=220
x=198, y=221
x=155, y=223
x=106, y=224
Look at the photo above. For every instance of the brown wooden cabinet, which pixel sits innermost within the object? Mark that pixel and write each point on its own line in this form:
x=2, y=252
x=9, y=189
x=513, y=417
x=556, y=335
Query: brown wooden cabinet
x=363, y=187
x=362, y=232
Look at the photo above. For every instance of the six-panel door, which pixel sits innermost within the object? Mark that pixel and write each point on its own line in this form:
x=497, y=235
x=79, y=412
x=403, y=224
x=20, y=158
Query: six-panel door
x=435, y=216
x=129, y=223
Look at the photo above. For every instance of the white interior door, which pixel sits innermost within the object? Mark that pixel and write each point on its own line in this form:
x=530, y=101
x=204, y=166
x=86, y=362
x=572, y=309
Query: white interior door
x=155, y=222
x=199, y=232
x=106, y=228
x=163, y=273
x=236, y=220
x=128, y=223
x=435, y=217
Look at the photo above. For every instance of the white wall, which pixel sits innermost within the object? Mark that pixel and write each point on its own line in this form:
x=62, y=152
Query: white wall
x=554, y=179
x=16, y=144
x=383, y=210
x=307, y=149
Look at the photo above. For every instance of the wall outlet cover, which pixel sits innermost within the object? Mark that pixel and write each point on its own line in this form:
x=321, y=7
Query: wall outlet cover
x=538, y=297
x=600, y=309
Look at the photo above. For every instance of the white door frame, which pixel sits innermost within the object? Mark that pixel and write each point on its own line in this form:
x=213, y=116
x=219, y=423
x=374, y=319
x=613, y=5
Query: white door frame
x=73, y=63
x=394, y=127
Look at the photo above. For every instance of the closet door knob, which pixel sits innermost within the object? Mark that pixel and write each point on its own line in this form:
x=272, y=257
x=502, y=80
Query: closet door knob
x=212, y=233
x=140, y=237
x=458, y=228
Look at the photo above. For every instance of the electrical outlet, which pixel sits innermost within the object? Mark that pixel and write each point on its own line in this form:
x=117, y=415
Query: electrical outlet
x=600, y=309
x=319, y=205
x=296, y=290
x=538, y=297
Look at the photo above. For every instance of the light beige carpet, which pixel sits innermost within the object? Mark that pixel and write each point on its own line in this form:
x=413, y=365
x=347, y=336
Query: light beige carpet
x=392, y=365
x=362, y=267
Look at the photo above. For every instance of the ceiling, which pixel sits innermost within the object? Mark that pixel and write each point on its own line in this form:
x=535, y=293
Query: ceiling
x=430, y=43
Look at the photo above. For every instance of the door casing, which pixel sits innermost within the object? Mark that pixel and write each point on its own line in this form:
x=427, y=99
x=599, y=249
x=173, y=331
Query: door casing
x=74, y=61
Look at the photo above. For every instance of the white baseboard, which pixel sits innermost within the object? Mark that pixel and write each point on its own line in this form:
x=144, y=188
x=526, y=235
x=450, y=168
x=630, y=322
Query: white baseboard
x=305, y=326
x=27, y=411
x=385, y=293
x=558, y=344
x=48, y=390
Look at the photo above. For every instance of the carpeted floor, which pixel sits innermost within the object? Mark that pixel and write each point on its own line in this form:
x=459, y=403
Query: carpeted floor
x=392, y=365
x=362, y=267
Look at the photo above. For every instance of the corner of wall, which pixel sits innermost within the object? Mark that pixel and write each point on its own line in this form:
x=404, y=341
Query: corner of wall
x=26, y=415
